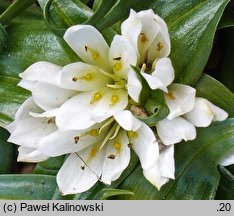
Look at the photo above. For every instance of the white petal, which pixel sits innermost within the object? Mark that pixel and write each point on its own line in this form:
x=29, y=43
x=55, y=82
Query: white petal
x=23, y=112
x=228, y=159
x=75, y=177
x=121, y=56
x=204, y=112
x=180, y=99
x=75, y=114
x=219, y=114
x=160, y=47
x=167, y=162
x=113, y=167
x=127, y=120
x=59, y=143
x=175, y=130
x=31, y=155
x=47, y=114
x=131, y=28
x=49, y=96
x=145, y=145
x=149, y=30
x=134, y=85
x=112, y=101
x=162, y=76
x=27, y=132
x=26, y=84
x=42, y=71
x=89, y=45
x=153, y=176
x=82, y=77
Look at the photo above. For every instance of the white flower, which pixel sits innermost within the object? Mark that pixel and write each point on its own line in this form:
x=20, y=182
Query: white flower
x=204, y=112
x=148, y=33
x=106, y=160
x=186, y=113
x=100, y=152
x=163, y=169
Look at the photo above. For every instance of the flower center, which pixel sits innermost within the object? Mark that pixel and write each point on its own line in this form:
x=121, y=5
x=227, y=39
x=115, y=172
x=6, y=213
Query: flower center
x=171, y=96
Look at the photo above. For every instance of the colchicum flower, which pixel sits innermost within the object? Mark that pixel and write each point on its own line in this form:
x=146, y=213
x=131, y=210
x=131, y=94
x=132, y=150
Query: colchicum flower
x=83, y=108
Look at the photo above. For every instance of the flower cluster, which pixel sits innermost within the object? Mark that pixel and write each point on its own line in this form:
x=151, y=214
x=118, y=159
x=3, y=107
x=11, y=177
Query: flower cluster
x=85, y=109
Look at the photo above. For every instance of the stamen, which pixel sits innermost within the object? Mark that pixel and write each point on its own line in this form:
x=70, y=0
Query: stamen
x=109, y=135
x=117, y=58
x=50, y=121
x=112, y=76
x=82, y=167
x=129, y=145
x=132, y=134
x=87, y=77
x=106, y=124
x=95, y=55
x=116, y=132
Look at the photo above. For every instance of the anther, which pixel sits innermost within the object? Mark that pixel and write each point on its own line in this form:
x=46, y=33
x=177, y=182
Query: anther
x=159, y=46
x=132, y=134
x=76, y=139
x=111, y=156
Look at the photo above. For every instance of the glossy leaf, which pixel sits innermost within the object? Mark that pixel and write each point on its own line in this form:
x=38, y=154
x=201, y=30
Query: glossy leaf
x=110, y=192
x=25, y=187
x=226, y=186
x=7, y=153
x=50, y=166
x=196, y=176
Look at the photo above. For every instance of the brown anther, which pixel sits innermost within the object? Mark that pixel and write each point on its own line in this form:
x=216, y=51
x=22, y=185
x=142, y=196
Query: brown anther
x=143, y=37
x=76, y=139
x=82, y=167
x=129, y=145
x=74, y=79
x=117, y=58
x=111, y=156
x=86, y=48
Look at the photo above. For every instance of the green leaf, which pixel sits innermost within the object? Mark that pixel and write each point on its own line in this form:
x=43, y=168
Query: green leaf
x=50, y=166
x=226, y=186
x=216, y=92
x=7, y=153
x=228, y=17
x=110, y=192
x=11, y=96
x=196, y=176
x=25, y=187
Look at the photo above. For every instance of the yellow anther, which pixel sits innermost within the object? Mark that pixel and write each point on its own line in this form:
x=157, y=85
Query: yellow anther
x=94, y=132
x=117, y=66
x=159, y=46
x=143, y=38
x=171, y=96
x=117, y=146
x=93, y=152
x=96, y=97
x=132, y=134
x=114, y=99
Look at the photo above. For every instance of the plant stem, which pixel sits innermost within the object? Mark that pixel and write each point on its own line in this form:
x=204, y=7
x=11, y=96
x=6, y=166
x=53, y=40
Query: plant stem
x=14, y=9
